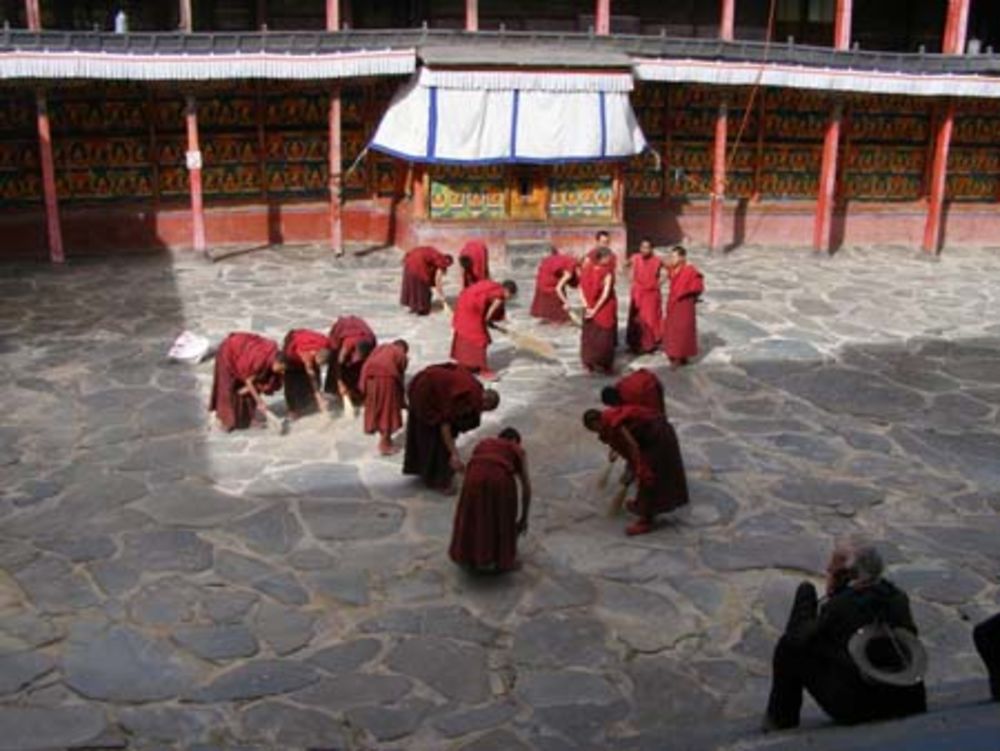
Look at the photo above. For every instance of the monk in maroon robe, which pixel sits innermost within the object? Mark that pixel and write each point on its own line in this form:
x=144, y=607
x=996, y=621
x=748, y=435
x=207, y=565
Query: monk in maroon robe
x=600, y=317
x=648, y=442
x=556, y=272
x=478, y=307
x=424, y=268
x=351, y=340
x=306, y=352
x=444, y=401
x=644, y=328
x=246, y=366
x=381, y=383
x=474, y=258
x=487, y=523
x=640, y=388
x=680, y=331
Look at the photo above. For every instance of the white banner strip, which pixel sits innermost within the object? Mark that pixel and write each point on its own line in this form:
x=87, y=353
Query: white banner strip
x=508, y=80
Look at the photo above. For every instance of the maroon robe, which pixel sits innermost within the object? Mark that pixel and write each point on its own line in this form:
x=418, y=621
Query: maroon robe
x=642, y=389
x=382, y=384
x=546, y=303
x=644, y=314
x=478, y=256
x=484, y=533
x=301, y=345
x=420, y=267
x=680, y=332
x=468, y=345
x=600, y=333
x=345, y=335
x=439, y=394
x=658, y=466
x=242, y=357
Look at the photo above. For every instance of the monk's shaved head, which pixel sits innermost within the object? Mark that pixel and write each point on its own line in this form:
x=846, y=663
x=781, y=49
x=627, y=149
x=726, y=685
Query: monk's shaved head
x=491, y=400
x=611, y=396
x=323, y=355
x=511, y=286
x=510, y=434
x=592, y=420
x=365, y=347
x=402, y=344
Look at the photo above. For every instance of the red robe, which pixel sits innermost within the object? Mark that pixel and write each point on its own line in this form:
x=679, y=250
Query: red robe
x=382, y=385
x=420, y=266
x=680, y=333
x=546, y=304
x=345, y=335
x=479, y=262
x=484, y=533
x=657, y=466
x=439, y=394
x=242, y=357
x=644, y=317
x=600, y=333
x=468, y=346
x=642, y=389
x=300, y=344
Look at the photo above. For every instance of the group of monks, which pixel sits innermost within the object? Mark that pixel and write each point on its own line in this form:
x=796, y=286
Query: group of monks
x=445, y=400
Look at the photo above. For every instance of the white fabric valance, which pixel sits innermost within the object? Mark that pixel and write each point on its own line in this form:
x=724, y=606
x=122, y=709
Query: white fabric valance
x=125, y=67
x=825, y=79
x=531, y=80
x=488, y=126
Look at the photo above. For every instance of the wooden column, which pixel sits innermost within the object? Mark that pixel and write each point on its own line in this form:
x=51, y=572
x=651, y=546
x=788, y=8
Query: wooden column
x=336, y=167
x=193, y=158
x=602, y=17
x=727, y=20
x=758, y=165
x=842, y=24
x=420, y=205
x=33, y=14
x=956, y=27
x=186, y=18
x=472, y=15
x=718, y=178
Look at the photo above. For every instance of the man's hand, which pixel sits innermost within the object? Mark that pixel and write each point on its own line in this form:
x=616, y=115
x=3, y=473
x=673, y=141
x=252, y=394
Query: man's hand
x=456, y=463
x=589, y=313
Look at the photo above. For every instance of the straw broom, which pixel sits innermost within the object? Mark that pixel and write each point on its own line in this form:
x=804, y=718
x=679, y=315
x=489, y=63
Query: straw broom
x=618, y=501
x=528, y=342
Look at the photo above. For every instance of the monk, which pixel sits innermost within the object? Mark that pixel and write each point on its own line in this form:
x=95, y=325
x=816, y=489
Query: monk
x=648, y=442
x=680, y=331
x=351, y=340
x=640, y=388
x=478, y=307
x=306, y=352
x=381, y=382
x=644, y=327
x=600, y=317
x=487, y=523
x=424, y=268
x=246, y=366
x=556, y=272
x=444, y=401
x=474, y=258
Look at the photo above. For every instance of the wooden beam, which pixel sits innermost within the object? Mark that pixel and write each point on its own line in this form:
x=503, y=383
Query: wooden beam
x=52, y=223
x=193, y=159
x=718, y=178
x=186, y=18
x=333, y=15
x=602, y=17
x=472, y=15
x=956, y=27
x=727, y=19
x=939, y=178
x=842, y=24
x=336, y=174
x=827, y=181
x=33, y=15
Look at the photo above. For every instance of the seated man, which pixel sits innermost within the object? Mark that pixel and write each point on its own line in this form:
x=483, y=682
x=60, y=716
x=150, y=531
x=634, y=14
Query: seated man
x=246, y=366
x=641, y=389
x=987, y=638
x=487, y=523
x=813, y=654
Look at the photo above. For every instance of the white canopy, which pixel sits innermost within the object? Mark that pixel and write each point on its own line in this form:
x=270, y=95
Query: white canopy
x=489, y=117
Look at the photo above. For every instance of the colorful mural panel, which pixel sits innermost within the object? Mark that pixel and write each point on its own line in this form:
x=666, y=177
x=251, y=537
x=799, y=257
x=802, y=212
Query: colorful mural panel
x=973, y=161
x=20, y=175
x=464, y=193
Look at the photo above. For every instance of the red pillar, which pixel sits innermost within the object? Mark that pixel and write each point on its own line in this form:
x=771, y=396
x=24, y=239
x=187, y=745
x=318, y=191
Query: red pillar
x=827, y=181
x=956, y=27
x=332, y=15
x=602, y=17
x=842, y=24
x=336, y=158
x=718, y=178
x=472, y=15
x=33, y=14
x=194, y=175
x=727, y=20
x=186, y=18
x=939, y=174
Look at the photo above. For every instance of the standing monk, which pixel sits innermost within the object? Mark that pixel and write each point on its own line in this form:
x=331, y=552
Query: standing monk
x=351, y=340
x=424, y=268
x=487, y=523
x=476, y=309
x=306, y=352
x=600, y=316
x=648, y=442
x=680, y=331
x=381, y=383
x=474, y=258
x=644, y=317
x=641, y=389
x=246, y=366
x=444, y=401
x=555, y=273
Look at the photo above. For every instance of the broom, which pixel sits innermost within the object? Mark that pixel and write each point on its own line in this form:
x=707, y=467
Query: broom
x=574, y=318
x=618, y=501
x=528, y=342
x=279, y=426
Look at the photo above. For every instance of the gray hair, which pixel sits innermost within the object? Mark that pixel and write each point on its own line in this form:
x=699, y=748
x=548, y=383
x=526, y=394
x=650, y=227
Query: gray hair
x=861, y=557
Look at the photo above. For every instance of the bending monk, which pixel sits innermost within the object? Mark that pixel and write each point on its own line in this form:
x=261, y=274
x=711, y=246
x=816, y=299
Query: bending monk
x=246, y=366
x=382, y=385
x=640, y=389
x=351, y=340
x=680, y=330
x=478, y=307
x=444, y=401
x=600, y=318
x=424, y=268
x=306, y=352
x=647, y=441
x=555, y=273
x=642, y=333
x=487, y=523
x=474, y=258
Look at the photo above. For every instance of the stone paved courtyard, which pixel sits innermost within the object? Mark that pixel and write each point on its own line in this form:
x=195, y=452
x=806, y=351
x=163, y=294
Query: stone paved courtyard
x=164, y=585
